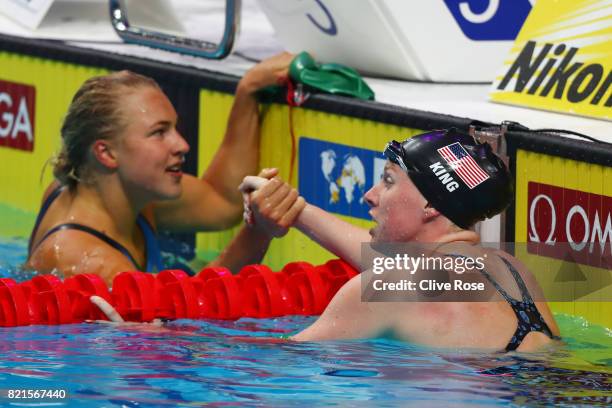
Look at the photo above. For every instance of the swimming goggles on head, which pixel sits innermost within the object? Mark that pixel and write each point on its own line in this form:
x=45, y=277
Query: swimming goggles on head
x=395, y=152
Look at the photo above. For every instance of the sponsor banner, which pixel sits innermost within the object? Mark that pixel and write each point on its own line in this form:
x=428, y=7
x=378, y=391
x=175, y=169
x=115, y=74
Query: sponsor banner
x=570, y=225
x=557, y=198
x=561, y=60
x=17, y=103
x=335, y=176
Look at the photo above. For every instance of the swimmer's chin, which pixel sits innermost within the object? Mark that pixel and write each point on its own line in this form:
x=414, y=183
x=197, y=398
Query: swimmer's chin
x=372, y=233
x=174, y=195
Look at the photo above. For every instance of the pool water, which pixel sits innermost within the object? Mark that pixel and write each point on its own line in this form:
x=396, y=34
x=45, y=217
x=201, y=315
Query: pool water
x=246, y=362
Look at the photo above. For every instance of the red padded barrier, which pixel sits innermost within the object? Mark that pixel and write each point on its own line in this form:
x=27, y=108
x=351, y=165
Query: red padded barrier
x=221, y=294
x=13, y=304
x=80, y=288
x=257, y=291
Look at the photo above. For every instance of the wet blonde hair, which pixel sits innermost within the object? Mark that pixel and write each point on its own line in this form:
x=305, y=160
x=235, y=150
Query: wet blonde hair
x=94, y=113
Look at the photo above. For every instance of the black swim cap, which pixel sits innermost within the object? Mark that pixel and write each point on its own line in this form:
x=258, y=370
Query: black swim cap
x=461, y=178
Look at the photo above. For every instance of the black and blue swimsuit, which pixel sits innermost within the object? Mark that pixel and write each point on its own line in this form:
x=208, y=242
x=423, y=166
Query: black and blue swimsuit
x=152, y=250
x=527, y=314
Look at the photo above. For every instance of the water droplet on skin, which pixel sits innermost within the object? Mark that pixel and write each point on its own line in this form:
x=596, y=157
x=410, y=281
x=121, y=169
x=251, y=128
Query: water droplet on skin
x=56, y=272
x=56, y=250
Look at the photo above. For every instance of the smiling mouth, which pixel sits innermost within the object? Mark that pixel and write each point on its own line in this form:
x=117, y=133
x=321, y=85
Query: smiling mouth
x=176, y=170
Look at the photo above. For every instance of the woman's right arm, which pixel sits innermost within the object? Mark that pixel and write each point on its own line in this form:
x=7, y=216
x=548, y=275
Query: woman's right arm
x=340, y=237
x=332, y=233
x=213, y=202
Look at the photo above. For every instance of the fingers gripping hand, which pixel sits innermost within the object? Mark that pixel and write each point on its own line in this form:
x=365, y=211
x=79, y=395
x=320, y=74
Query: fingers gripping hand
x=250, y=184
x=268, y=173
x=275, y=206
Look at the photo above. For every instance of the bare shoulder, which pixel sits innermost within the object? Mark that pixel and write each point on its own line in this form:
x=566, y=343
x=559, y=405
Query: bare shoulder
x=50, y=188
x=349, y=295
x=72, y=252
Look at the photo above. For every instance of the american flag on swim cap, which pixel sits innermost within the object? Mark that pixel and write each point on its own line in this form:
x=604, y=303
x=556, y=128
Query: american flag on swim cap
x=462, y=163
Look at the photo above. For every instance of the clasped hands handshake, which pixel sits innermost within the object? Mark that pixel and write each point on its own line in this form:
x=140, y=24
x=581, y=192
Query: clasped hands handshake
x=270, y=204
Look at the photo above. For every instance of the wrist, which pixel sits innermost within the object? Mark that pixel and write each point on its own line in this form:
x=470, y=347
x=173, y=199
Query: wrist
x=258, y=235
x=246, y=86
x=301, y=222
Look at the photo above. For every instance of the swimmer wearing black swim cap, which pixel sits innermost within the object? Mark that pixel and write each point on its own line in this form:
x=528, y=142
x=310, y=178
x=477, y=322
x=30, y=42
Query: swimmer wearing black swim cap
x=433, y=188
x=461, y=178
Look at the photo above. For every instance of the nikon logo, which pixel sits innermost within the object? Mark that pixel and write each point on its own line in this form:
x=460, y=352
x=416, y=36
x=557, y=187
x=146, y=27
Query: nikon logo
x=582, y=82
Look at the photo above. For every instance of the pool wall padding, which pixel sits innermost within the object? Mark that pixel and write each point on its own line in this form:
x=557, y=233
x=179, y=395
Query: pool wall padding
x=203, y=100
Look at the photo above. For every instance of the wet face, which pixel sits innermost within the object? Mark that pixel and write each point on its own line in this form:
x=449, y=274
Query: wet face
x=397, y=206
x=150, y=150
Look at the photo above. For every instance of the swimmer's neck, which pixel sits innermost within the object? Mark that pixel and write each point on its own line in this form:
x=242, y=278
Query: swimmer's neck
x=467, y=236
x=442, y=231
x=105, y=203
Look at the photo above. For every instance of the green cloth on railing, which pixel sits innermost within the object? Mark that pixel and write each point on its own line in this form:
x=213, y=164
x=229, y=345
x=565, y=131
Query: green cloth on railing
x=330, y=78
x=313, y=77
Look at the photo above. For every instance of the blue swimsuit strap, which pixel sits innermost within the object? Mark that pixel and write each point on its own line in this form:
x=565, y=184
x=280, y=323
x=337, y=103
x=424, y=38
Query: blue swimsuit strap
x=528, y=316
x=152, y=249
x=43, y=210
x=97, y=234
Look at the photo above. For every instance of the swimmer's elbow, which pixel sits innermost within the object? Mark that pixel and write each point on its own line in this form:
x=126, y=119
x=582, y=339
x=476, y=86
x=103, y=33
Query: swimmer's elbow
x=300, y=337
x=311, y=333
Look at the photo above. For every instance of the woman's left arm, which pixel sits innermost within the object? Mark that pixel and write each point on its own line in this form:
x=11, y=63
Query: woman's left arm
x=348, y=317
x=214, y=202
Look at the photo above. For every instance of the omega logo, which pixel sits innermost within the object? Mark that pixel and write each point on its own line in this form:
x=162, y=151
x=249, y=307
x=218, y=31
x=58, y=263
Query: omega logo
x=14, y=124
x=579, y=225
x=17, y=103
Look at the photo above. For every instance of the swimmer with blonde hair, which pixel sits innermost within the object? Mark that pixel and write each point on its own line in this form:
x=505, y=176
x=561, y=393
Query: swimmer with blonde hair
x=119, y=178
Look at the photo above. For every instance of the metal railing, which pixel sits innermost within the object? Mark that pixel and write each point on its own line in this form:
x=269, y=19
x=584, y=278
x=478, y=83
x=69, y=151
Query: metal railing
x=169, y=42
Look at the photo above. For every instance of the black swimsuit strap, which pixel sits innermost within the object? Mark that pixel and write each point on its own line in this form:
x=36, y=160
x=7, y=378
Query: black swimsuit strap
x=497, y=286
x=528, y=316
x=97, y=234
x=519, y=281
x=43, y=210
x=517, y=278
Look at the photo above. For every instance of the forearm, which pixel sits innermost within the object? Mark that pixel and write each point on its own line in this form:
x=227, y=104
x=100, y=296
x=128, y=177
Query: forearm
x=340, y=237
x=248, y=247
x=238, y=154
